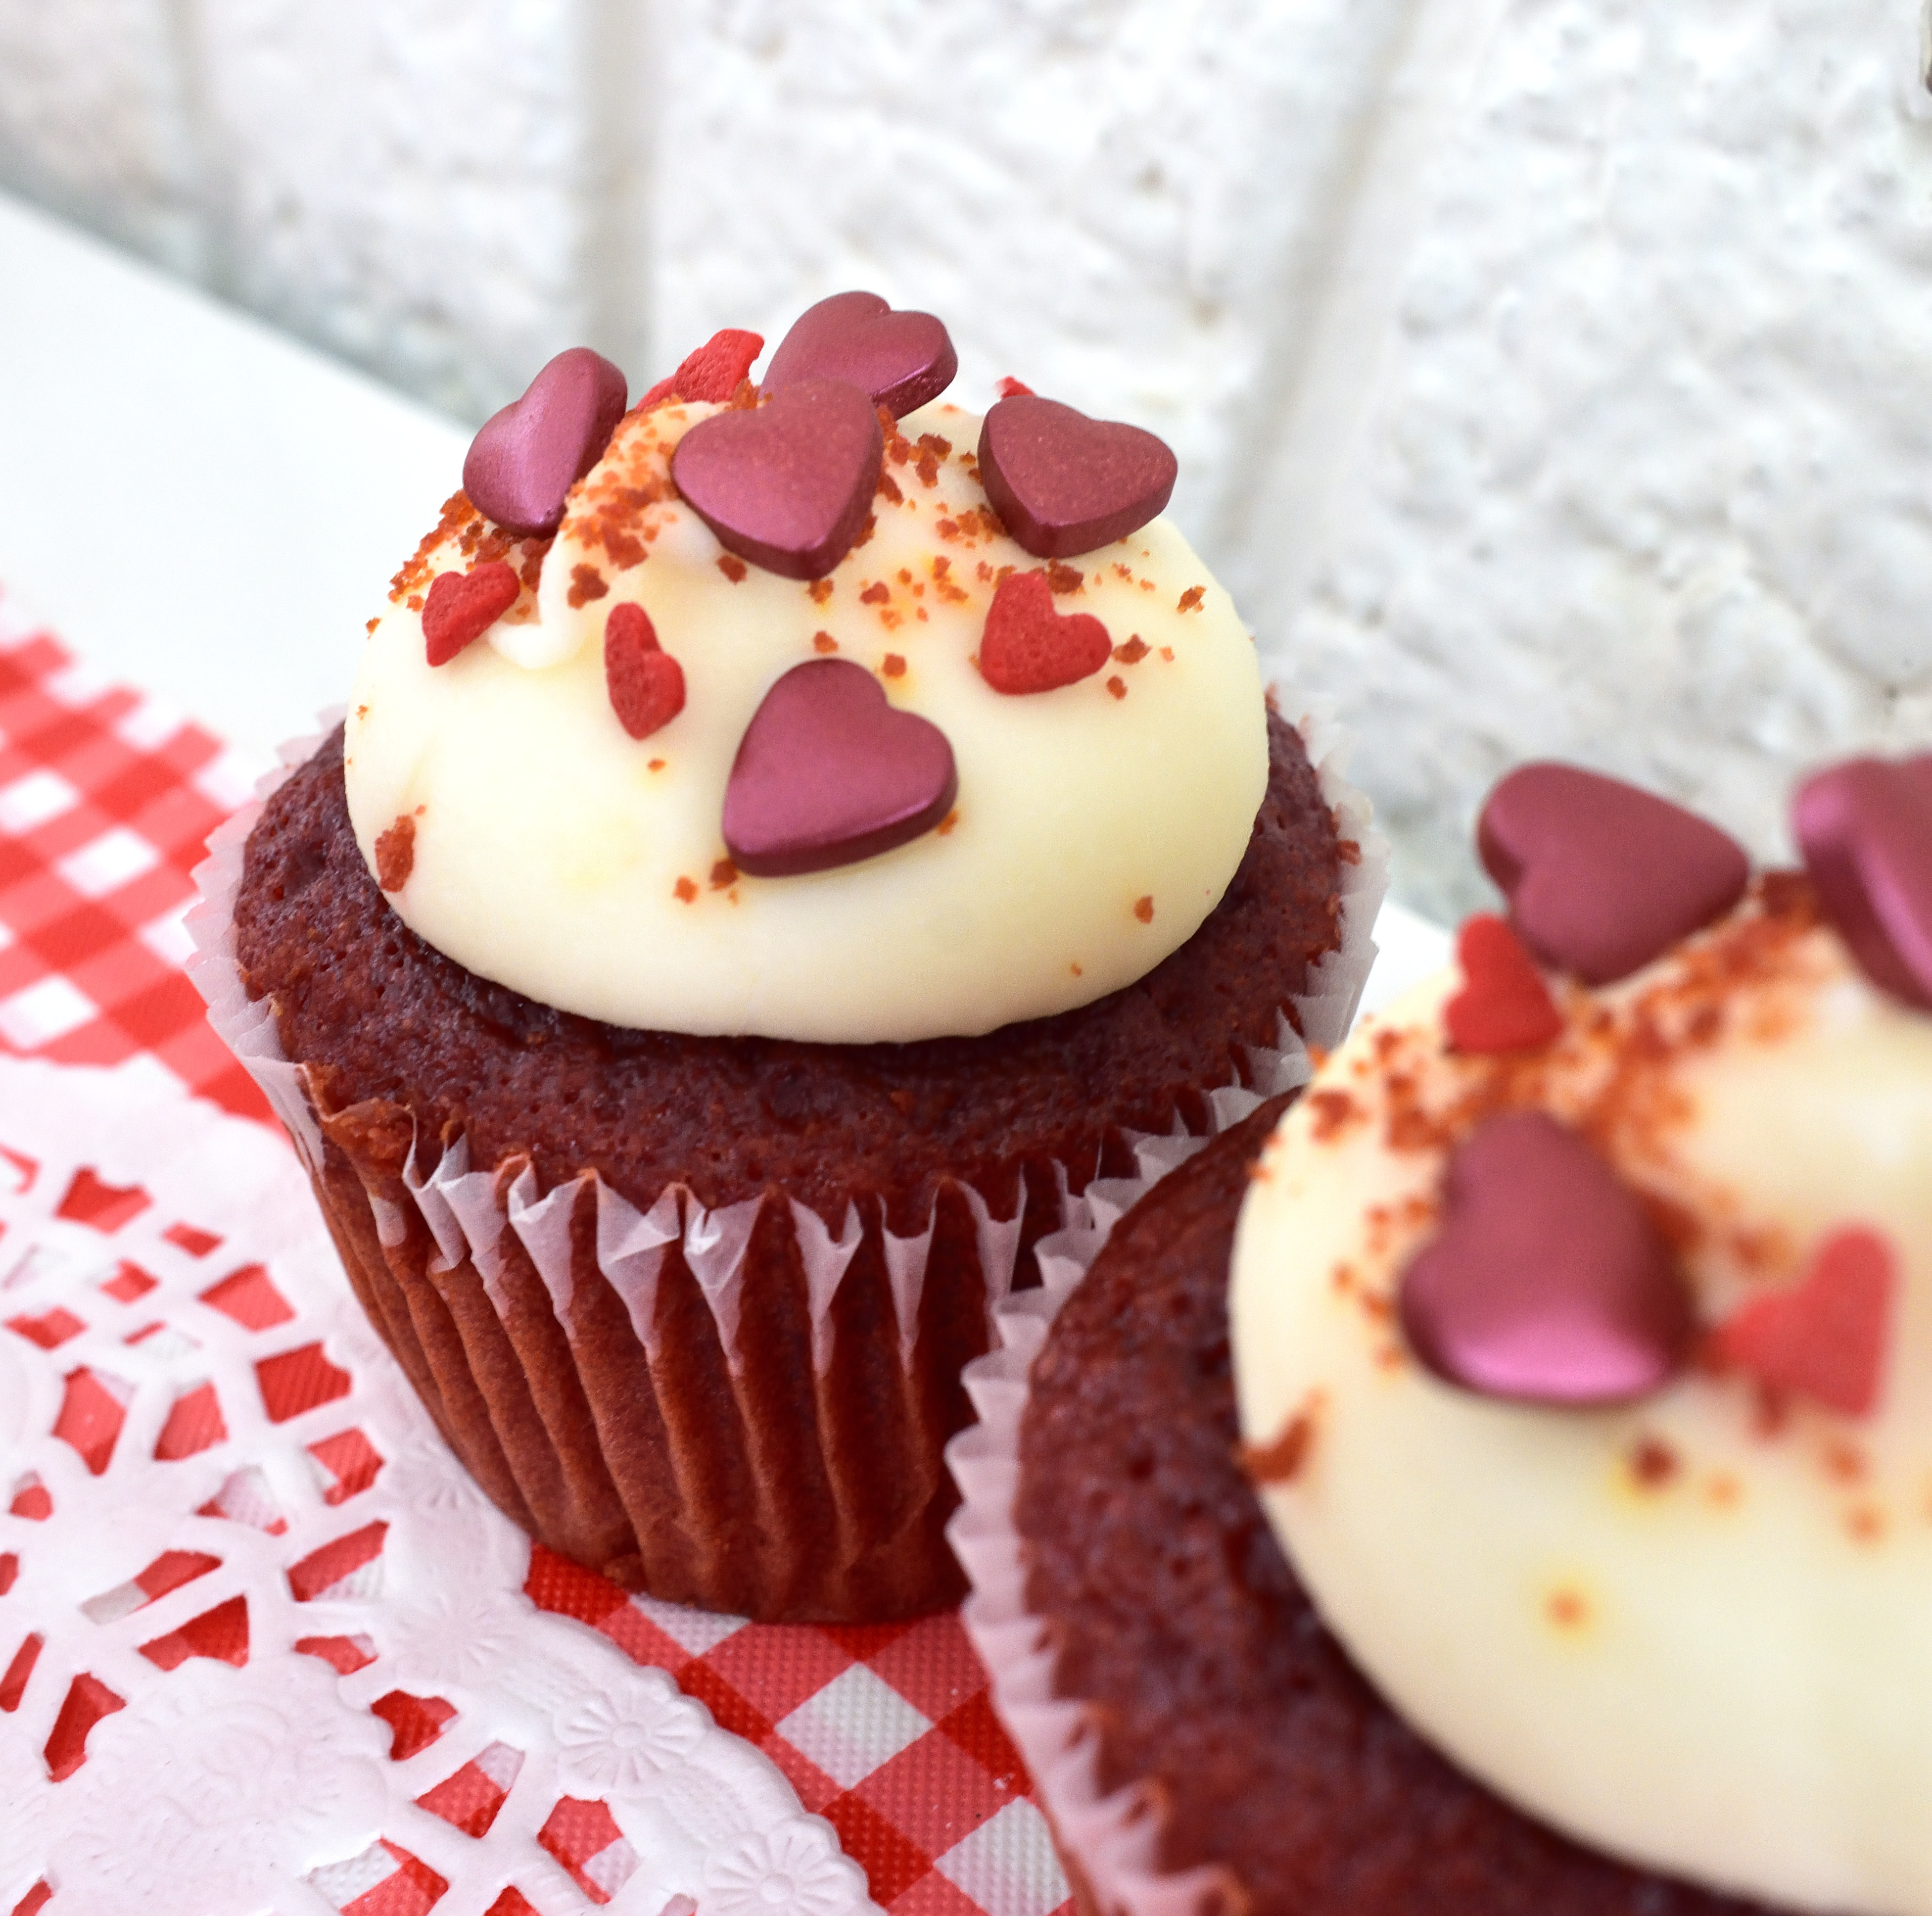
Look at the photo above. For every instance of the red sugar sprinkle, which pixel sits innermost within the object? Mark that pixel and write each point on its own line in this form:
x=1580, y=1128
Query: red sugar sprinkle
x=645, y=683
x=1013, y=389
x=1027, y=647
x=711, y=373
x=462, y=606
x=1504, y=1004
x=1825, y=1337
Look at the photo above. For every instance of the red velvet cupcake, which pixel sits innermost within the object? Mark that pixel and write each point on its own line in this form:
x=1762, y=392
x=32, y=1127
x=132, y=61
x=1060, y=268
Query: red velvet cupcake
x=759, y=885
x=1496, y=1487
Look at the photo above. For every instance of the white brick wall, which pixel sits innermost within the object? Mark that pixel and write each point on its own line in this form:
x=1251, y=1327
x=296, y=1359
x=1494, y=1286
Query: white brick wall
x=1547, y=375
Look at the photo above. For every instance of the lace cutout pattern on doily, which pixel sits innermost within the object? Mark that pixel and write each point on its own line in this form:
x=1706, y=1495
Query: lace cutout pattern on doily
x=263, y=1646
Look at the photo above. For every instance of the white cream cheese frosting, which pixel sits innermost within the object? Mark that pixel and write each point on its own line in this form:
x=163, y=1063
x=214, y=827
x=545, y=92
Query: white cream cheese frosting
x=1095, y=825
x=1694, y=1633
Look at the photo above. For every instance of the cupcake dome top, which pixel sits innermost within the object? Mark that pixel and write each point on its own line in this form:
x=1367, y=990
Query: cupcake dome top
x=766, y=711
x=1583, y=1339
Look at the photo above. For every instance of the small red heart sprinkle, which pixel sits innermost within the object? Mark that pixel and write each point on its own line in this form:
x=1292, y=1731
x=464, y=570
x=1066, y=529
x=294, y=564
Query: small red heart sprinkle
x=1865, y=829
x=645, y=683
x=828, y=773
x=1547, y=1283
x=1504, y=1004
x=462, y=606
x=1010, y=388
x=1824, y=1338
x=521, y=466
x=1601, y=877
x=1063, y=484
x=1028, y=647
x=899, y=360
x=787, y=485
x=712, y=374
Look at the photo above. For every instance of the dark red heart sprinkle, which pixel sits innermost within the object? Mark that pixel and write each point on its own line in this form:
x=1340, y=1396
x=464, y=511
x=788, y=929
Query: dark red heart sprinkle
x=1028, y=647
x=521, y=466
x=1601, y=877
x=1865, y=829
x=1504, y=1004
x=1825, y=1337
x=900, y=360
x=462, y=606
x=713, y=373
x=1547, y=1283
x=1064, y=484
x=828, y=773
x=645, y=683
x=787, y=485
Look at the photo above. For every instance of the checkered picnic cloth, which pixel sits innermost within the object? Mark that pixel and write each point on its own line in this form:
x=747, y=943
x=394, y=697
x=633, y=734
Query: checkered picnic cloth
x=106, y=798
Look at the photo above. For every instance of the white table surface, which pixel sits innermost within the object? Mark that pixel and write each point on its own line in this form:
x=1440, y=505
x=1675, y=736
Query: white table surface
x=206, y=509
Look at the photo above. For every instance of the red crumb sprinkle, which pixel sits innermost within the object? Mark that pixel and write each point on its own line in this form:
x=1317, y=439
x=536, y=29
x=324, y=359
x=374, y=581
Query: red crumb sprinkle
x=1865, y=1523
x=1332, y=1109
x=1066, y=578
x=946, y=823
x=396, y=853
x=1133, y=652
x=1348, y=851
x=820, y=590
x=362, y=711
x=1190, y=600
x=1567, y=1609
x=889, y=487
x=892, y=665
x=586, y=583
x=1653, y=1463
x=1281, y=1460
x=1167, y=653
x=1143, y=909
x=657, y=764
x=866, y=531
x=723, y=875
x=1013, y=389
x=684, y=890
x=939, y=448
x=876, y=595
x=823, y=641
x=732, y=567
x=927, y=469
x=369, y=625
x=1117, y=687
x=415, y=602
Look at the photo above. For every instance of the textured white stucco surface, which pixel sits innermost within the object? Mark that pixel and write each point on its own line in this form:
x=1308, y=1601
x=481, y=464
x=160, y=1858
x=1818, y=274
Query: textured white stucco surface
x=1647, y=479
x=1546, y=374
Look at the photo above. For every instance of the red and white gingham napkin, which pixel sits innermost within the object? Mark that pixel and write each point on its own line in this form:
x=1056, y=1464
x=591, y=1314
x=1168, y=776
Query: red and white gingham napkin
x=885, y=1730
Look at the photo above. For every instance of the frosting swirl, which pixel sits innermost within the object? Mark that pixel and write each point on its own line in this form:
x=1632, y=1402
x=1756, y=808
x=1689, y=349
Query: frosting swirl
x=521, y=829
x=1692, y=1630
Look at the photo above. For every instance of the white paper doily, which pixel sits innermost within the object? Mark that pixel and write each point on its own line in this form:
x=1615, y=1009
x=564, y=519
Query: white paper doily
x=263, y=1646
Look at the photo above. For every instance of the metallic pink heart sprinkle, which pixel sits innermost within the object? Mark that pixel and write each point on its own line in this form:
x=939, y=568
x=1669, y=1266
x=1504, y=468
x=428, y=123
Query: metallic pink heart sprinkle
x=899, y=360
x=1547, y=1283
x=1064, y=484
x=1602, y=878
x=828, y=773
x=1865, y=829
x=521, y=466
x=787, y=484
